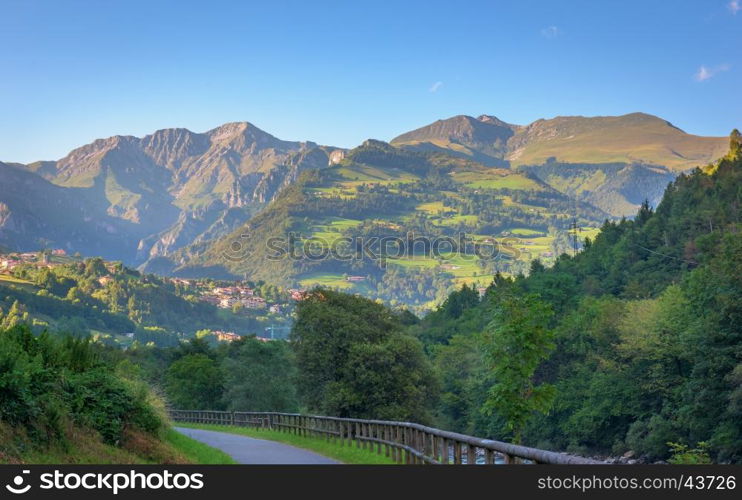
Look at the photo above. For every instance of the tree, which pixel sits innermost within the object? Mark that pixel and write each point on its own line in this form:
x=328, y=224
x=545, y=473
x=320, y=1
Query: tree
x=195, y=382
x=260, y=377
x=354, y=360
x=519, y=341
x=95, y=267
x=16, y=316
x=735, y=143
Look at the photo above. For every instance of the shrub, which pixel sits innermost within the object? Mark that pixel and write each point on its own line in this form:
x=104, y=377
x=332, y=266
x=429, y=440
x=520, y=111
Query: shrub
x=47, y=382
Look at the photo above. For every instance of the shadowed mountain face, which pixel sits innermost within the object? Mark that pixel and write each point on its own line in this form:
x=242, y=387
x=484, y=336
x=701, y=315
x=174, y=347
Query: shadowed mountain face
x=35, y=213
x=176, y=187
x=616, y=188
x=482, y=139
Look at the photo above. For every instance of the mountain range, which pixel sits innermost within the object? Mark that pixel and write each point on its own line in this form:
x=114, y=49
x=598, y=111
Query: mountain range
x=636, y=138
x=166, y=200
x=149, y=195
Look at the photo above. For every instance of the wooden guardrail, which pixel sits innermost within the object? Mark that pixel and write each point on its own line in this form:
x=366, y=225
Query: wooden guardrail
x=403, y=442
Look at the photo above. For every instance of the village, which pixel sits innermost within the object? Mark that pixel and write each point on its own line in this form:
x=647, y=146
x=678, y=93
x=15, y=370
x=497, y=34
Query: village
x=237, y=297
x=10, y=261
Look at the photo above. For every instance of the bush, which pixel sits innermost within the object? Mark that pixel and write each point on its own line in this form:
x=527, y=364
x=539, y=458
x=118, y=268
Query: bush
x=683, y=454
x=650, y=437
x=46, y=382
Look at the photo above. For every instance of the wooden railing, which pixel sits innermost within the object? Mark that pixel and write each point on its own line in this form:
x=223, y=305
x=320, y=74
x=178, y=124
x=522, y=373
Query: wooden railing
x=403, y=442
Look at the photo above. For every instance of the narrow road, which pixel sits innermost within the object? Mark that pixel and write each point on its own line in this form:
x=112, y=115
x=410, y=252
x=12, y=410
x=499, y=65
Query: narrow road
x=247, y=450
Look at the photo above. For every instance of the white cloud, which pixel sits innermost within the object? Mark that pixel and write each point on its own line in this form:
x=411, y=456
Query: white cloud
x=550, y=32
x=705, y=73
x=435, y=87
x=734, y=6
x=702, y=74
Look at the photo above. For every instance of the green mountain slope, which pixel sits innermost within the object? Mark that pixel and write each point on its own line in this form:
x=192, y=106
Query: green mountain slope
x=633, y=138
x=379, y=191
x=616, y=161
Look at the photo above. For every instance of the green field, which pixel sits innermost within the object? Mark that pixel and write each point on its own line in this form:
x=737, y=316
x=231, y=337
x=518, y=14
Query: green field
x=495, y=180
x=329, y=280
x=373, y=175
x=588, y=232
x=330, y=230
x=416, y=262
x=8, y=280
x=12, y=280
x=434, y=208
x=469, y=220
x=522, y=231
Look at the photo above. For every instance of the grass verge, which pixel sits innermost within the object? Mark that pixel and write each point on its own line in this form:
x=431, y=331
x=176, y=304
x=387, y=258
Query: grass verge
x=196, y=451
x=344, y=454
x=85, y=446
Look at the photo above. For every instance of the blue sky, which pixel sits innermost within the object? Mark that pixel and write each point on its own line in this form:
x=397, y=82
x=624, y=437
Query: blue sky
x=340, y=72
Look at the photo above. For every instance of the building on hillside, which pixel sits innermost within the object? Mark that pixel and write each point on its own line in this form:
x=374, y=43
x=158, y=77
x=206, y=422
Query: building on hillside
x=10, y=264
x=355, y=278
x=211, y=299
x=226, y=336
x=59, y=252
x=227, y=302
x=254, y=302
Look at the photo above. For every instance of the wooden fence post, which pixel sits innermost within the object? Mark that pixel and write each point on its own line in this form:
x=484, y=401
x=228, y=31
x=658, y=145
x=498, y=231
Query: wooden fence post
x=471, y=455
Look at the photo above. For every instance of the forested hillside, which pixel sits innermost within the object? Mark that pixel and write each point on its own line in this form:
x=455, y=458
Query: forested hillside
x=119, y=306
x=633, y=344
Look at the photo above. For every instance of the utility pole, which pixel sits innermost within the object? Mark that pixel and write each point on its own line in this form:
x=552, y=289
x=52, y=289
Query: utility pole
x=573, y=231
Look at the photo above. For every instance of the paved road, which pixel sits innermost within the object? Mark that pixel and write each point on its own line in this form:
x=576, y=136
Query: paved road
x=247, y=450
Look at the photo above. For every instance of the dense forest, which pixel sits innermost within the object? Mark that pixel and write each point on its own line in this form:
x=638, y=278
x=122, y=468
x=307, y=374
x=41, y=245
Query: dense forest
x=633, y=344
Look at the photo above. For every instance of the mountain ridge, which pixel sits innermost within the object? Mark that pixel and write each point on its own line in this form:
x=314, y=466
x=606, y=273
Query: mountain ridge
x=174, y=187
x=631, y=138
